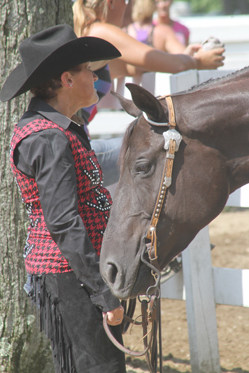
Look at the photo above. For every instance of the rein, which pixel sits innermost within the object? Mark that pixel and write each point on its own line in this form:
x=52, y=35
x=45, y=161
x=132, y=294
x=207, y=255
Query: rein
x=152, y=314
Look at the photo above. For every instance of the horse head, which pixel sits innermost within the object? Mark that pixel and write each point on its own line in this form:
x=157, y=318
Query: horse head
x=198, y=192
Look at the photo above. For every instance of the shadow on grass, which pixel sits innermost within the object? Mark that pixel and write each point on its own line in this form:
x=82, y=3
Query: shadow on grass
x=235, y=370
x=135, y=364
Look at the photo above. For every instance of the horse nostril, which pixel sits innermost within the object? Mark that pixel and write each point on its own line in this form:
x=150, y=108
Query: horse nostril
x=111, y=273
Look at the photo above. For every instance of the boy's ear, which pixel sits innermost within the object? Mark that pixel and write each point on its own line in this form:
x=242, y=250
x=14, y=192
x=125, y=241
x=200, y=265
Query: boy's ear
x=66, y=79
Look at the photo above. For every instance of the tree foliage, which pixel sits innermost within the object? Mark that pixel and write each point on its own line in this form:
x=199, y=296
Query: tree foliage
x=225, y=7
x=206, y=6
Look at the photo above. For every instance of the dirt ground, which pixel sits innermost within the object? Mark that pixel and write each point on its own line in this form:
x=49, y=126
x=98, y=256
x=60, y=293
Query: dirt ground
x=229, y=232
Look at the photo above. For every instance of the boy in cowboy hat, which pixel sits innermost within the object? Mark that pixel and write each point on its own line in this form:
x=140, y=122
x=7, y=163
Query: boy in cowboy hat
x=60, y=181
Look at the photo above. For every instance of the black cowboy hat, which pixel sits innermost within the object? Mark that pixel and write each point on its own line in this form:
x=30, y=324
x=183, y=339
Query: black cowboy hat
x=51, y=52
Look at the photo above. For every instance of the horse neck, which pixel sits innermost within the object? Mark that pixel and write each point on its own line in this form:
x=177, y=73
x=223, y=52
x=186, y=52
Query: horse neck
x=218, y=117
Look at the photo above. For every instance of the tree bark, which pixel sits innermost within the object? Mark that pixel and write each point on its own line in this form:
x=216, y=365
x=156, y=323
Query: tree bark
x=23, y=349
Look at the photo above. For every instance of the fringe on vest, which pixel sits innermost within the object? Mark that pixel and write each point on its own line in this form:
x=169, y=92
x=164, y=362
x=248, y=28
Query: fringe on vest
x=49, y=320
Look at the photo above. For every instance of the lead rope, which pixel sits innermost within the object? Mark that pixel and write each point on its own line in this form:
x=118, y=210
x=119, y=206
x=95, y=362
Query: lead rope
x=153, y=314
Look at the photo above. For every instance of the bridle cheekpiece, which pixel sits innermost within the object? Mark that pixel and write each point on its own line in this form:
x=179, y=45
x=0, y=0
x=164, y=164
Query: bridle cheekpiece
x=172, y=142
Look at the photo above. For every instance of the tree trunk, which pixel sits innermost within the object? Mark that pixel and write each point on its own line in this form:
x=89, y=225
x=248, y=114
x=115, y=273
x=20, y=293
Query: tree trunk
x=23, y=349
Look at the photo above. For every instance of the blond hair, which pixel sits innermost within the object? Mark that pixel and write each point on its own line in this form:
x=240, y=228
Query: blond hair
x=143, y=10
x=86, y=12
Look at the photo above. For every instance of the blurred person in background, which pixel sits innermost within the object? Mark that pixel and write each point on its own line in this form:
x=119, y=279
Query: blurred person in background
x=160, y=36
x=163, y=18
x=141, y=28
x=104, y=19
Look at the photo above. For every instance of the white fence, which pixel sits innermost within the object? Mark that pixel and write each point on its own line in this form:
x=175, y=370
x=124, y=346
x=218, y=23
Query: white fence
x=200, y=284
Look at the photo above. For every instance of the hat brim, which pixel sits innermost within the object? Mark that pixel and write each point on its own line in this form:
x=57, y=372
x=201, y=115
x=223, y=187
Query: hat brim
x=73, y=53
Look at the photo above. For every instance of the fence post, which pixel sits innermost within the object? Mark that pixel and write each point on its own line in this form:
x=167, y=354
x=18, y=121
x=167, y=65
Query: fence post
x=200, y=305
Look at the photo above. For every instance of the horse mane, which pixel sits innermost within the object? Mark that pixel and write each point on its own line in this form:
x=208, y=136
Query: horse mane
x=213, y=83
x=209, y=84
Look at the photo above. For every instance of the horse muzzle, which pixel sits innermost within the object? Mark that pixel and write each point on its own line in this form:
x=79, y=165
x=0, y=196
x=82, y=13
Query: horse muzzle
x=128, y=279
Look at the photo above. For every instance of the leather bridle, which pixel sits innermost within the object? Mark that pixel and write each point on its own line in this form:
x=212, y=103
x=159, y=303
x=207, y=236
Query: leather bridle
x=172, y=143
x=152, y=313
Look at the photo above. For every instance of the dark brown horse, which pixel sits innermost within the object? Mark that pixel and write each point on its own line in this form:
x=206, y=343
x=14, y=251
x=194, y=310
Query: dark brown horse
x=212, y=162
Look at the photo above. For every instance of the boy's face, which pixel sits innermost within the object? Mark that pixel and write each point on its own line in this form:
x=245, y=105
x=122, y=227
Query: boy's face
x=84, y=90
x=163, y=5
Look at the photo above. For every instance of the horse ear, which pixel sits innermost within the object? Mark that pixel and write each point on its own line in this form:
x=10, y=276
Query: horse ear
x=127, y=105
x=148, y=103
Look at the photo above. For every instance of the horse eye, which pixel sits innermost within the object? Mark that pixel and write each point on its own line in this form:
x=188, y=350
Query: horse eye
x=143, y=168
